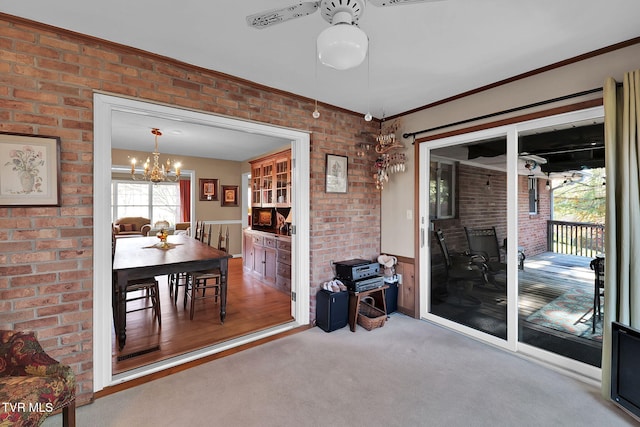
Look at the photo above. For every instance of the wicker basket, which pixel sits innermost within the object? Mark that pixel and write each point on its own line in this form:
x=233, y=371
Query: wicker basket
x=369, y=316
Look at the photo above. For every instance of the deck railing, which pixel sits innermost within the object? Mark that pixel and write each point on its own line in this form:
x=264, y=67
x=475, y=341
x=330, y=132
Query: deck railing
x=575, y=238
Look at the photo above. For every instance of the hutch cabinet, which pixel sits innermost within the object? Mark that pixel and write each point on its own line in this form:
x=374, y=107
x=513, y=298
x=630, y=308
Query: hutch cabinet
x=268, y=257
x=271, y=180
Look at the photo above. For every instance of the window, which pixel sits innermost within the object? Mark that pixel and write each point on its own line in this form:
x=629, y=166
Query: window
x=155, y=201
x=442, y=189
x=533, y=196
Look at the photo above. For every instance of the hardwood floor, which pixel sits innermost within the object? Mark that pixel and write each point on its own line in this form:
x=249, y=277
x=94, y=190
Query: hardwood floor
x=251, y=306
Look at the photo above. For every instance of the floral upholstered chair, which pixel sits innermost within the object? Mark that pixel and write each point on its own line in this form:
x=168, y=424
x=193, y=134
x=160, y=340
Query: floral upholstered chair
x=32, y=384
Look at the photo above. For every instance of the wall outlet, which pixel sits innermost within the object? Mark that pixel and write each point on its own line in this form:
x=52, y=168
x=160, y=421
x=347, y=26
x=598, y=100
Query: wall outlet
x=399, y=279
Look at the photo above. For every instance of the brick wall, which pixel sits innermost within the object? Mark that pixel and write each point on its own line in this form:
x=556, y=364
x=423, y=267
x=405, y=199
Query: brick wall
x=532, y=229
x=48, y=79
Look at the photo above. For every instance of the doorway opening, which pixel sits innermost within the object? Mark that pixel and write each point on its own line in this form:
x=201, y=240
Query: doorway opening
x=105, y=106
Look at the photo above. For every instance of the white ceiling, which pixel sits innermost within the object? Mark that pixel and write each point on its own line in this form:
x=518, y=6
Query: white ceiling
x=182, y=137
x=419, y=53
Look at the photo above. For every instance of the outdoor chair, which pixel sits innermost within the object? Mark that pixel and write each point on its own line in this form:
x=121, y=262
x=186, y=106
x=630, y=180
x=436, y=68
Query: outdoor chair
x=462, y=270
x=597, y=265
x=483, y=242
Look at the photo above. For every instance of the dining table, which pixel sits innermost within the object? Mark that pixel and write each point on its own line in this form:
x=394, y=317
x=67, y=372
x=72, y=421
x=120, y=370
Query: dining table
x=142, y=257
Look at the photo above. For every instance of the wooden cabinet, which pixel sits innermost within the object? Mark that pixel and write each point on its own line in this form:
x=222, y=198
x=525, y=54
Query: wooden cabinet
x=283, y=263
x=271, y=180
x=268, y=257
x=406, y=290
x=248, y=259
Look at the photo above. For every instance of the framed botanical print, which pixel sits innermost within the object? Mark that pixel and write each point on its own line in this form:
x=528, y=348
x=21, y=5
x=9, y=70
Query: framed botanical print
x=336, y=174
x=29, y=170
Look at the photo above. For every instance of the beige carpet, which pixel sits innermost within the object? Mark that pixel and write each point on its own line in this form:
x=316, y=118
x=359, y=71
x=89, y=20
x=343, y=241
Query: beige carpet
x=408, y=373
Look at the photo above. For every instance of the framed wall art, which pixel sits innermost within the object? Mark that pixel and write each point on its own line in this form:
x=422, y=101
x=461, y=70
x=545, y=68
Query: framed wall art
x=336, y=174
x=29, y=170
x=229, y=195
x=208, y=189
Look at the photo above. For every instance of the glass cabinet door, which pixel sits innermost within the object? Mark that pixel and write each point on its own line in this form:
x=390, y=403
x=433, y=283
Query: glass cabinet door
x=283, y=182
x=256, y=181
x=267, y=184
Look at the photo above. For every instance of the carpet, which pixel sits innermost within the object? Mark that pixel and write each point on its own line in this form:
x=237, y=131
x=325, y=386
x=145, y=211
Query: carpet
x=571, y=313
x=409, y=373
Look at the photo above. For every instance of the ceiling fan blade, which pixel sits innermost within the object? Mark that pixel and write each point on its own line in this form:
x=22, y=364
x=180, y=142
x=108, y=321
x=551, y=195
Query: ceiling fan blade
x=381, y=3
x=276, y=16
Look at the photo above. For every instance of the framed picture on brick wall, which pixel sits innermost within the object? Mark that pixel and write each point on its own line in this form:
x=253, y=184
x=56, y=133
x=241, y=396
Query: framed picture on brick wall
x=29, y=170
x=336, y=174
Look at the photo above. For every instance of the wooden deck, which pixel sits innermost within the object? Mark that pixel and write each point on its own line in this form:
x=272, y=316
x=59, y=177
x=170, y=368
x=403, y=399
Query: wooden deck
x=545, y=277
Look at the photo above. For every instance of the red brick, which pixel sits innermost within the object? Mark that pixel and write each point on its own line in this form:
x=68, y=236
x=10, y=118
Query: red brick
x=57, y=309
x=41, y=322
x=16, y=294
x=36, y=302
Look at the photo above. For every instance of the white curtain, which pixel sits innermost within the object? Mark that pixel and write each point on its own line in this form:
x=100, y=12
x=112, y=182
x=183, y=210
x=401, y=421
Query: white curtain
x=622, y=264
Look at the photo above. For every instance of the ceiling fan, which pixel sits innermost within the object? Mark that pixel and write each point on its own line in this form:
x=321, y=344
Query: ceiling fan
x=341, y=46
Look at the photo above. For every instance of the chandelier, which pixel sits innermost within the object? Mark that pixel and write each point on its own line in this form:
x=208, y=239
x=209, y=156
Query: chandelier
x=157, y=172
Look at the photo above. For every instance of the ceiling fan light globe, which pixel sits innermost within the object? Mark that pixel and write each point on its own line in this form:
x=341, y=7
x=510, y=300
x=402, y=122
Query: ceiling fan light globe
x=342, y=46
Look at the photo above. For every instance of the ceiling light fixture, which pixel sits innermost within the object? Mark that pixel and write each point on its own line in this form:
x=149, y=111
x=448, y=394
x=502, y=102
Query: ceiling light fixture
x=316, y=113
x=343, y=45
x=156, y=173
x=368, y=117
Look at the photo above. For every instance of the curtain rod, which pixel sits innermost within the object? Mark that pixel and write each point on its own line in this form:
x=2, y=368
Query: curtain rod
x=499, y=113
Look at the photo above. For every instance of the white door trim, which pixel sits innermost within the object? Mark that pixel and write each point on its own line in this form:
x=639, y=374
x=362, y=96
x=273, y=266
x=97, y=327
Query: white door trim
x=104, y=105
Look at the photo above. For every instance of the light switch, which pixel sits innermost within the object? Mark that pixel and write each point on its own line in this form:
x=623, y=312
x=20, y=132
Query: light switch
x=409, y=214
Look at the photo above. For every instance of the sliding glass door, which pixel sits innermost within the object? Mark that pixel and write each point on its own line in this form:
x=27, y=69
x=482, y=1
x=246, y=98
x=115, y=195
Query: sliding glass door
x=466, y=232
x=495, y=263
x=561, y=228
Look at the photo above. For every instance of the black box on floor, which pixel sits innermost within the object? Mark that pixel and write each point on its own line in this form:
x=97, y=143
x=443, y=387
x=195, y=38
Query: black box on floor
x=391, y=296
x=332, y=310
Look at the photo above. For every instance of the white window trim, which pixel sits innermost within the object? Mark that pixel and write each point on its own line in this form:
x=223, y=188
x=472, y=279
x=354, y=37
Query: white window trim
x=454, y=164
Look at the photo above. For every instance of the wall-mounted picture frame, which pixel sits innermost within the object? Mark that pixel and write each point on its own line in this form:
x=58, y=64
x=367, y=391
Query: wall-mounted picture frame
x=29, y=170
x=208, y=189
x=229, y=195
x=336, y=174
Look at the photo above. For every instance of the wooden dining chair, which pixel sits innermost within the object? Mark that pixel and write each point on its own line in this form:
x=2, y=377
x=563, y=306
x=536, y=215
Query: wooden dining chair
x=223, y=242
x=146, y=290
x=177, y=280
x=200, y=281
x=141, y=289
x=201, y=235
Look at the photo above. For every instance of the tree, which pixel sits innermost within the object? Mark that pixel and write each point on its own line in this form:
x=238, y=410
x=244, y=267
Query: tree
x=580, y=197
